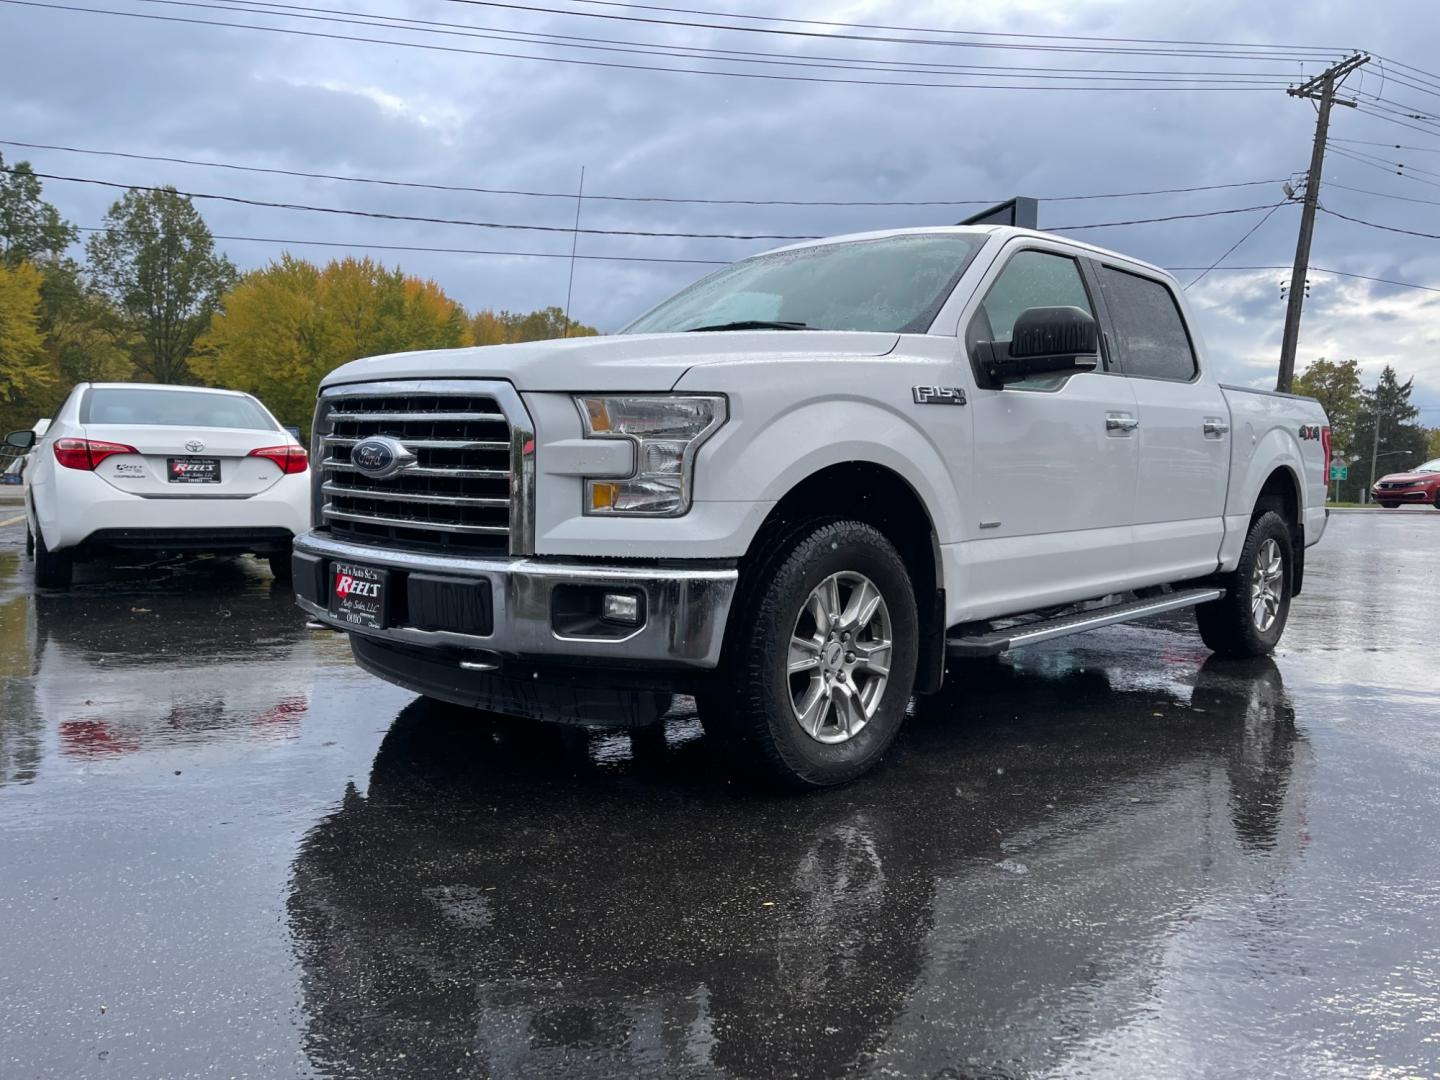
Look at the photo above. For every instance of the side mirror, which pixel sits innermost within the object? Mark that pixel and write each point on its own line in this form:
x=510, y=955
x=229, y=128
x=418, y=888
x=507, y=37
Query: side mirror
x=23, y=439
x=1045, y=341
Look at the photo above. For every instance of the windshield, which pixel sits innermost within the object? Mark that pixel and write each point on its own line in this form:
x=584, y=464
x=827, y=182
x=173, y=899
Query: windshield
x=894, y=284
x=173, y=408
x=1429, y=466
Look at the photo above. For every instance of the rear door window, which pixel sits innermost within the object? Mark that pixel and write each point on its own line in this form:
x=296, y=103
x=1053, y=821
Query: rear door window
x=1149, y=335
x=173, y=408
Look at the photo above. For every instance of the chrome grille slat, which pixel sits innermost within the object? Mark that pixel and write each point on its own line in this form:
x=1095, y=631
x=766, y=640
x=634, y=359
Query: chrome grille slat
x=410, y=496
x=426, y=444
x=412, y=523
x=462, y=493
x=417, y=470
x=403, y=417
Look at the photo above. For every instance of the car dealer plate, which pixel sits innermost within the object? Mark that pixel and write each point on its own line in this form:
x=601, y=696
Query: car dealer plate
x=358, y=594
x=193, y=470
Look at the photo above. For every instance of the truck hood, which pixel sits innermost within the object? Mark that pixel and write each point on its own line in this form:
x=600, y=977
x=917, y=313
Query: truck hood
x=638, y=362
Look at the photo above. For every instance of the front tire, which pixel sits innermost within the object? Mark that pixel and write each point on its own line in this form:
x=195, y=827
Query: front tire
x=1249, y=619
x=817, y=693
x=1388, y=506
x=53, y=570
x=280, y=565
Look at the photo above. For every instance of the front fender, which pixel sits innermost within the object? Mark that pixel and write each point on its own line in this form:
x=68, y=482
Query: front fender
x=775, y=448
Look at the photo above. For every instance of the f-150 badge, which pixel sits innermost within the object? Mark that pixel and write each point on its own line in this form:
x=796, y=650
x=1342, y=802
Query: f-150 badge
x=938, y=395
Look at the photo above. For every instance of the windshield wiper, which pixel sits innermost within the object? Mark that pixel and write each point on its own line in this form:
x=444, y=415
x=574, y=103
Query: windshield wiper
x=750, y=324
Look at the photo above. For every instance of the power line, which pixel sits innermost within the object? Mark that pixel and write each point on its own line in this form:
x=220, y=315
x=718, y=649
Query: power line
x=692, y=52
x=1314, y=270
x=611, y=198
x=242, y=200
x=1153, y=220
x=612, y=64
x=560, y=228
x=1190, y=49
x=945, y=30
x=1383, y=194
x=1228, y=251
x=1377, y=225
x=448, y=250
x=1391, y=169
x=1389, y=145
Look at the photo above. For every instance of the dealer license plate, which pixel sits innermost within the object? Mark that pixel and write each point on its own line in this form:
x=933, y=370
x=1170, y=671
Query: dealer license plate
x=358, y=594
x=193, y=470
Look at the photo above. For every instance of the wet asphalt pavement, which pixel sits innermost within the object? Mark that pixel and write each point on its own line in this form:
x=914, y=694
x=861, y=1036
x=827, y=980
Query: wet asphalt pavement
x=224, y=851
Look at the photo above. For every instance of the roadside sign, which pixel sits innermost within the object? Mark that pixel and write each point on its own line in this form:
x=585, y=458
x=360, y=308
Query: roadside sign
x=1339, y=472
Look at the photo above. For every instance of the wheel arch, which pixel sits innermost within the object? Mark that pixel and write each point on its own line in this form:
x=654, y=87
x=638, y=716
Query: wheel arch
x=882, y=498
x=1281, y=492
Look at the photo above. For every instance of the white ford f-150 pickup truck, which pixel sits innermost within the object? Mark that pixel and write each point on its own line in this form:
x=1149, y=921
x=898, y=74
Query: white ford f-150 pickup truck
x=800, y=485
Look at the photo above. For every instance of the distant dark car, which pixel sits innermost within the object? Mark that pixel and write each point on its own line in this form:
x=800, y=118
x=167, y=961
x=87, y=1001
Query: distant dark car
x=14, y=472
x=1419, y=485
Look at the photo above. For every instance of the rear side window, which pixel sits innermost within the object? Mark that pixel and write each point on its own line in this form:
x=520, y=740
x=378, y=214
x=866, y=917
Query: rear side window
x=1150, y=336
x=173, y=408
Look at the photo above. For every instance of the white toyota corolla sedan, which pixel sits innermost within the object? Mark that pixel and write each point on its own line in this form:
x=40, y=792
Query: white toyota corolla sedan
x=130, y=466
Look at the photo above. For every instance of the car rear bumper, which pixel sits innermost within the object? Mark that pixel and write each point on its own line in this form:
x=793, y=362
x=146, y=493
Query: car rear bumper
x=485, y=612
x=82, y=505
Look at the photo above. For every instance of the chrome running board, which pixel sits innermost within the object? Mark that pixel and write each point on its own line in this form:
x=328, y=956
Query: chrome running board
x=990, y=642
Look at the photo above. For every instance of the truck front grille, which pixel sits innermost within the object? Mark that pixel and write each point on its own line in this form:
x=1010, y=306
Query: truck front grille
x=462, y=493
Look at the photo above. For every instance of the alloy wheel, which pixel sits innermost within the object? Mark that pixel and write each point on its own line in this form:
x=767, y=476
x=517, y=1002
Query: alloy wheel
x=1267, y=585
x=839, y=657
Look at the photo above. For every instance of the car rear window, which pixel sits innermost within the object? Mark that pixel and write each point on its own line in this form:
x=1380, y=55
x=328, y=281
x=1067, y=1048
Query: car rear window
x=173, y=408
x=1150, y=335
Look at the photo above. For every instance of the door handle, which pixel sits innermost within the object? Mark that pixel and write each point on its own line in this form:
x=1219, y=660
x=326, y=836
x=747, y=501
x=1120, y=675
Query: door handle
x=1215, y=427
x=1118, y=421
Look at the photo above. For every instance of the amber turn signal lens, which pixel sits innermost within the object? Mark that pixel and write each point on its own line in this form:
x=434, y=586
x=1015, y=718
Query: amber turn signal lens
x=603, y=496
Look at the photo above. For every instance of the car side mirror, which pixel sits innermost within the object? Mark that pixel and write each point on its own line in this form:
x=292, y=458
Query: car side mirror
x=23, y=439
x=1045, y=341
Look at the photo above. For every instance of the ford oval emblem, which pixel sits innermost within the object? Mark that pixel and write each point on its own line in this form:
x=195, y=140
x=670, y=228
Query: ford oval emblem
x=379, y=456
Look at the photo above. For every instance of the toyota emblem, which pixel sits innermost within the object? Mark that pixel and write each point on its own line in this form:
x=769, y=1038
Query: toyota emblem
x=194, y=446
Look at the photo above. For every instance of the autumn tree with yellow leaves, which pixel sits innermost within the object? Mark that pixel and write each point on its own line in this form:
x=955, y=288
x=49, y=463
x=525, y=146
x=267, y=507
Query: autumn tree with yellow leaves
x=284, y=327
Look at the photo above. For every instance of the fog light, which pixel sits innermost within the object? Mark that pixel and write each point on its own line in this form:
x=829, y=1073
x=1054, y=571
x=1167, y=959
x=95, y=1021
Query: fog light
x=622, y=608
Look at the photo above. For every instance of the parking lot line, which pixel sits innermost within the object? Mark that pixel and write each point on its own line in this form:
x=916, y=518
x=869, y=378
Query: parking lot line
x=12, y=521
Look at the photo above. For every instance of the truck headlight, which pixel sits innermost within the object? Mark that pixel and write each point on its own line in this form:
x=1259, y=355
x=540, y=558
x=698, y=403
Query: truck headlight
x=667, y=430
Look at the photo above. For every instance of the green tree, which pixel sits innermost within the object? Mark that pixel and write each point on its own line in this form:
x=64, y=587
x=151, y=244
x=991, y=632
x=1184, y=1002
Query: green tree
x=283, y=328
x=1401, y=442
x=23, y=366
x=85, y=334
x=546, y=324
x=156, y=260
x=31, y=230
x=1338, y=388
x=1432, y=451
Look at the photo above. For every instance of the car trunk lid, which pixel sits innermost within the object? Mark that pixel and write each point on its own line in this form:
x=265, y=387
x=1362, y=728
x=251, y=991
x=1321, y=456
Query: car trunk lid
x=177, y=463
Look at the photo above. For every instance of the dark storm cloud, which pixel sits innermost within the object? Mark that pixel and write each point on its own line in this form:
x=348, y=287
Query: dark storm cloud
x=326, y=106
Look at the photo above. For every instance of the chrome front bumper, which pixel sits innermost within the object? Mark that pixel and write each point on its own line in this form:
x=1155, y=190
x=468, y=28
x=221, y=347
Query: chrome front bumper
x=686, y=607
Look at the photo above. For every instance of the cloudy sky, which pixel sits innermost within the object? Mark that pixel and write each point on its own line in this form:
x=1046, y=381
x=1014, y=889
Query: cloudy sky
x=303, y=101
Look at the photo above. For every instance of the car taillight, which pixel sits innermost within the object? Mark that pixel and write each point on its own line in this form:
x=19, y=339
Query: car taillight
x=87, y=454
x=1325, y=445
x=291, y=459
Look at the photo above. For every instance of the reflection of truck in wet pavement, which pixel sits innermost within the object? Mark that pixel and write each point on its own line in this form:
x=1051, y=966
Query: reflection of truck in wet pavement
x=528, y=911
x=797, y=486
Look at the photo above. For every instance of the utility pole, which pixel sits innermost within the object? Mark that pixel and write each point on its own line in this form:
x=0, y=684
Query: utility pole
x=1322, y=89
x=1374, y=453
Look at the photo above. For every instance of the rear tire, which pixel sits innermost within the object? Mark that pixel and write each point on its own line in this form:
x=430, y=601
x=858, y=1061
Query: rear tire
x=53, y=570
x=29, y=541
x=1388, y=506
x=817, y=688
x=1249, y=619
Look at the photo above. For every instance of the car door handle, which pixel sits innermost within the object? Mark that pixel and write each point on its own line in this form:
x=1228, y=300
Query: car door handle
x=1120, y=422
x=1215, y=427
